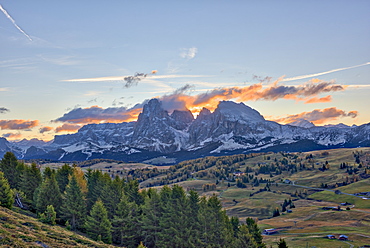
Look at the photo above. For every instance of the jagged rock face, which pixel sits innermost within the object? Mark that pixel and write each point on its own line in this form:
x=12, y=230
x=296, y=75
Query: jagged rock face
x=156, y=130
x=231, y=127
x=105, y=133
x=6, y=146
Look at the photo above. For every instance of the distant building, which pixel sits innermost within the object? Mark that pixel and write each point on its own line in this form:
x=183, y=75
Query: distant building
x=343, y=237
x=330, y=236
x=269, y=231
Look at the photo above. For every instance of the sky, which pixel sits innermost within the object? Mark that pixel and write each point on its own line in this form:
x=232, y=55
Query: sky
x=65, y=64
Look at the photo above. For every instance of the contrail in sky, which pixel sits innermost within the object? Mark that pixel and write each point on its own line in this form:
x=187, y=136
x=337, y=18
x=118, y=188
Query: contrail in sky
x=322, y=73
x=12, y=20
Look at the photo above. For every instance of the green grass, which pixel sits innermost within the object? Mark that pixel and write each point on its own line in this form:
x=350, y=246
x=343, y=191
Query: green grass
x=336, y=199
x=18, y=230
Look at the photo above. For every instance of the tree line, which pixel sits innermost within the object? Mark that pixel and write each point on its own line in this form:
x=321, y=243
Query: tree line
x=116, y=211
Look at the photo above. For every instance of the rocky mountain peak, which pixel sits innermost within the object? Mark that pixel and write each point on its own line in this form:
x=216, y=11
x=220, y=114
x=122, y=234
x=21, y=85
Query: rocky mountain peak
x=153, y=109
x=302, y=123
x=182, y=116
x=238, y=111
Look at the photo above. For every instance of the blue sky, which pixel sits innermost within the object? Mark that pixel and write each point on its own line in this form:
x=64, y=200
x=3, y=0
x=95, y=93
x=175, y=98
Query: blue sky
x=73, y=55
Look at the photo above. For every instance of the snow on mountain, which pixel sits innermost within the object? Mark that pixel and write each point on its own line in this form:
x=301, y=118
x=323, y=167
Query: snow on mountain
x=340, y=125
x=231, y=127
x=302, y=123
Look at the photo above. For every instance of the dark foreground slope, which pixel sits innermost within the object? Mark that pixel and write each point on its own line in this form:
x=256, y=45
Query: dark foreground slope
x=18, y=230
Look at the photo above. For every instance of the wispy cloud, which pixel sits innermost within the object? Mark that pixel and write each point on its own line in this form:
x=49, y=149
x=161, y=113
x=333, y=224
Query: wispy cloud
x=15, y=24
x=317, y=116
x=188, y=53
x=4, y=89
x=122, y=78
x=322, y=73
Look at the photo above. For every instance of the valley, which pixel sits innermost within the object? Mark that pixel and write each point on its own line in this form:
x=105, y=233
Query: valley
x=255, y=185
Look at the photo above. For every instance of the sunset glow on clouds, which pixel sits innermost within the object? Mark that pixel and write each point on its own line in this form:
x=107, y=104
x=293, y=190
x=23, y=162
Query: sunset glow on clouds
x=180, y=100
x=18, y=124
x=77, y=70
x=317, y=116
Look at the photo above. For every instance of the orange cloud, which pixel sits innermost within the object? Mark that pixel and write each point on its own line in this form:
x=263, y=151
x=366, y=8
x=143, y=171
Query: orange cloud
x=318, y=100
x=317, y=116
x=68, y=128
x=305, y=92
x=18, y=124
x=45, y=129
x=12, y=135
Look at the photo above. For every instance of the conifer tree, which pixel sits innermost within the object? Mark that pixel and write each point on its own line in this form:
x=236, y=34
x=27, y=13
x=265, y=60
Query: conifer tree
x=48, y=194
x=174, y=220
x=255, y=232
x=30, y=180
x=49, y=216
x=282, y=243
x=98, y=223
x=62, y=176
x=152, y=213
x=74, y=206
x=244, y=239
x=6, y=194
x=113, y=192
x=48, y=173
x=127, y=223
x=216, y=227
x=8, y=165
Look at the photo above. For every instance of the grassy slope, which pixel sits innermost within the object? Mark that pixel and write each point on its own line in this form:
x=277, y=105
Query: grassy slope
x=18, y=230
x=308, y=223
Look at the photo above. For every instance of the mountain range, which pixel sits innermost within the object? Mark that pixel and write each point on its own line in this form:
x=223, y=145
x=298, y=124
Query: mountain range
x=231, y=128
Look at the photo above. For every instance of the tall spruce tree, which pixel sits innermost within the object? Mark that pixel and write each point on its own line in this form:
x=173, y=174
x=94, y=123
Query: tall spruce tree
x=152, y=212
x=74, y=205
x=62, y=176
x=48, y=194
x=174, y=220
x=8, y=165
x=6, y=194
x=98, y=223
x=112, y=193
x=255, y=232
x=30, y=180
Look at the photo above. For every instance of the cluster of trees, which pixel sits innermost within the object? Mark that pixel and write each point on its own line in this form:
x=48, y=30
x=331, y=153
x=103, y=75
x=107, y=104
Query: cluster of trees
x=225, y=167
x=116, y=211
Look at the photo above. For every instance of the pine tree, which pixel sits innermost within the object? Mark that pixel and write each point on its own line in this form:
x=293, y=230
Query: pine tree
x=48, y=194
x=31, y=179
x=244, y=239
x=8, y=165
x=62, y=176
x=6, y=194
x=152, y=212
x=127, y=223
x=74, y=206
x=282, y=243
x=49, y=216
x=215, y=225
x=98, y=223
x=255, y=232
x=48, y=173
x=113, y=192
